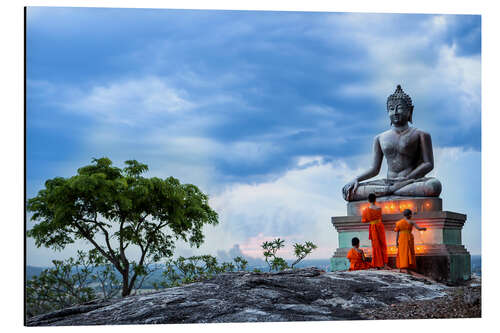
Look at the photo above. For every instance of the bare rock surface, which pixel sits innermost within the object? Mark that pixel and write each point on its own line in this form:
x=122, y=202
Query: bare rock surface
x=462, y=301
x=292, y=295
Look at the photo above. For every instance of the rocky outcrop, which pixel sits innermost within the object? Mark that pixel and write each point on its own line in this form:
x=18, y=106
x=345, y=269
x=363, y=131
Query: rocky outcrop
x=462, y=301
x=293, y=295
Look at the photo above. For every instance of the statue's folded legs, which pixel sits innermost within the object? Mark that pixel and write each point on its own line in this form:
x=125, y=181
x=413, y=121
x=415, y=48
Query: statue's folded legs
x=423, y=187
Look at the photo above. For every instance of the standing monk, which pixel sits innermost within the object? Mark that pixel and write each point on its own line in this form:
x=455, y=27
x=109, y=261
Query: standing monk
x=373, y=215
x=405, y=259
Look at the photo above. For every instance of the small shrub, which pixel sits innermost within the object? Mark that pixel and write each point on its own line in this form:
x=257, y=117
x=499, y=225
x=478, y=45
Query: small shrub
x=270, y=249
x=302, y=250
x=278, y=263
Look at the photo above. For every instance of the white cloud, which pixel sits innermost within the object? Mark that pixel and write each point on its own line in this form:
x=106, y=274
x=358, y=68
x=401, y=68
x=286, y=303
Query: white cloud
x=296, y=207
x=322, y=110
x=131, y=101
x=305, y=161
x=463, y=77
x=397, y=57
x=459, y=170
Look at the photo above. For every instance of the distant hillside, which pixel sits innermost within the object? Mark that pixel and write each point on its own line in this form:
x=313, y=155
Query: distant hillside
x=475, y=264
x=32, y=271
x=323, y=264
x=157, y=275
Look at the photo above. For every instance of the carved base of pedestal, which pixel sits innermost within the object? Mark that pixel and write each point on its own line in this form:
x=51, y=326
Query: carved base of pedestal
x=397, y=204
x=439, y=250
x=443, y=263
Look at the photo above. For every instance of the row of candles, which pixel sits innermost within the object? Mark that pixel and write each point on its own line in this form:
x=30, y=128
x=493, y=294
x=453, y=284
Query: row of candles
x=392, y=207
x=419, y=249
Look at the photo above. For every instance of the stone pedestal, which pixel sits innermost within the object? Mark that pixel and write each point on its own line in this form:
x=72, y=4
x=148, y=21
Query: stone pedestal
x=439, y=250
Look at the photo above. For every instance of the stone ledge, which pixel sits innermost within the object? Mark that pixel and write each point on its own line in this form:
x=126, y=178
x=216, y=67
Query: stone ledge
x=438, y=219
x=430, y=250
x=398, y=204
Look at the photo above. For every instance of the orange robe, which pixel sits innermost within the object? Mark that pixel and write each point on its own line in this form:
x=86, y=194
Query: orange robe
x=376, y=235
x=356, y=260
x=406, y=247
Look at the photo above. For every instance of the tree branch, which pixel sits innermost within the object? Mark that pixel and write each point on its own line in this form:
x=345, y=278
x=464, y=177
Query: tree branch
x=106, y=234
x=144, y=251
x=104, y=253
x=122, y=249
x=140, y=222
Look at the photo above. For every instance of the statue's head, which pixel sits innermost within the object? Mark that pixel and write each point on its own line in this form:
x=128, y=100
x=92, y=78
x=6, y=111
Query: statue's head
x=399, y=107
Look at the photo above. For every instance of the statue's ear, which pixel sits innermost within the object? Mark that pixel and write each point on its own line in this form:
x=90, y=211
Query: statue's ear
x=411, y=114
x=387, y=108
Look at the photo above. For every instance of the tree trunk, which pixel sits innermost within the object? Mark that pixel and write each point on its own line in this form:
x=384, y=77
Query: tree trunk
x=125, y=287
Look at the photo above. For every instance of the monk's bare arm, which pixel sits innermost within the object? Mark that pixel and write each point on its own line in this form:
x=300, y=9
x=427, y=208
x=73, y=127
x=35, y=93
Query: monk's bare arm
x=427, y=157
x=417, y=227
x=397, y=238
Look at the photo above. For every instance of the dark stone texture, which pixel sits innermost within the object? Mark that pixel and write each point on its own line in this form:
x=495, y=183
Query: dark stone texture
x=299, y=295
x=408, y=152
x=463, y=301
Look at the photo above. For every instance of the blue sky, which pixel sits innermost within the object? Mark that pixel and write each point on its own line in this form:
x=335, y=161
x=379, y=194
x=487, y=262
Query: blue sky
x=270, y=113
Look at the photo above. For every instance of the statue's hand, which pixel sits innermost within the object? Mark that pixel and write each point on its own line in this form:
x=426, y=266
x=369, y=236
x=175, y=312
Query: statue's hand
x=349, y=189
x=402, y=182
x=401, y=179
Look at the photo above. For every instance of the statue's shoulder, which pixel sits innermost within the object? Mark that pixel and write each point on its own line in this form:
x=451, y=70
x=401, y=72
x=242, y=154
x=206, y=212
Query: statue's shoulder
x=420, y=133
x=385, y=134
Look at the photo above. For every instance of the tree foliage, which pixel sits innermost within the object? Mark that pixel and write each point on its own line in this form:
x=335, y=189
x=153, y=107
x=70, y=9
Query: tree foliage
x=277, y=263
x=270, y=249
x=302, y=250
x=65, y=284
x=104, y=275
x=196, y=268
x=115, y=208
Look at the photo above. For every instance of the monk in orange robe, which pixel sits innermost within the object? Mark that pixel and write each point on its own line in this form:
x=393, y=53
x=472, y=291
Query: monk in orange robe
x=373, y=215
x=357, y=257
x=405, y=259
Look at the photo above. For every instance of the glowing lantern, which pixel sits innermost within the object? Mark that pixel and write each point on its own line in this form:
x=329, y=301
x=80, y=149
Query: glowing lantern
x=392, y=249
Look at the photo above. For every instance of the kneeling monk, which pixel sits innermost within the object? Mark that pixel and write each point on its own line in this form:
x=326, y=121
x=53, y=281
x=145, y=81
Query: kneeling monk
x=357, y=257
x=373, y=215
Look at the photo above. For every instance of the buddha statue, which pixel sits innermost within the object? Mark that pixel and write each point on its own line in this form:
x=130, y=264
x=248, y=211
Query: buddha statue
x=409, y=156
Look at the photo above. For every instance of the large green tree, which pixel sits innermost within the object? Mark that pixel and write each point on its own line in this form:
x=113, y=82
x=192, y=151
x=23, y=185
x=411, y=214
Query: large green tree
x=115, y=208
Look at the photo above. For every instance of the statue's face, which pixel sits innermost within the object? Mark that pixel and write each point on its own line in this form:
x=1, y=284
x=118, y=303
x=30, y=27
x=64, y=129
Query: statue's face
x=399, y=112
